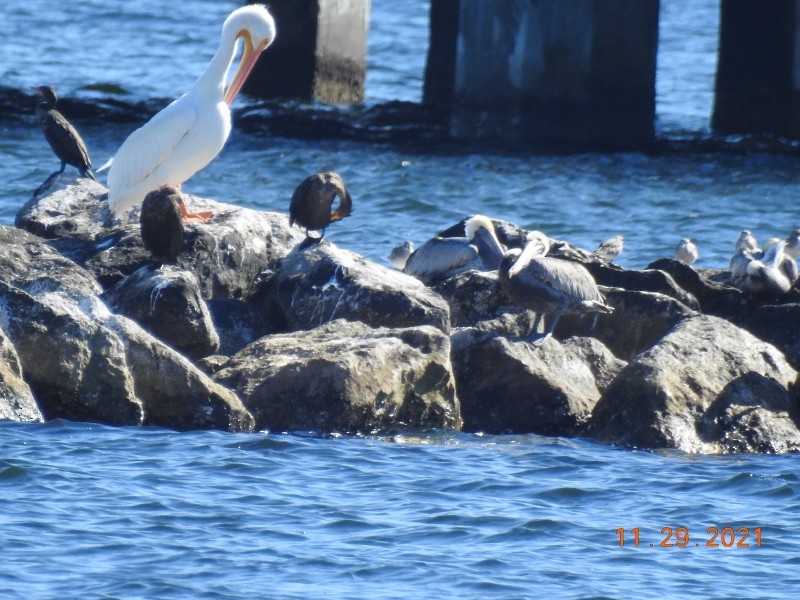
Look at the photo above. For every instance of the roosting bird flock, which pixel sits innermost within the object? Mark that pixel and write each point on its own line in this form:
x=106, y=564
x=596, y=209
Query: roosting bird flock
x=156, y=159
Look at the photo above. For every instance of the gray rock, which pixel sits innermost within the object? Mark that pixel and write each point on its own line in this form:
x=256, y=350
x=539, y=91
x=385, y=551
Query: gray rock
x=226, y=254
x=695, y=391
x=779, y=324
x=175, y=393
x=639, y=320
x=321, y=283
x=16, y=400
x=166, y=302
x=76, y=368
x=31, y=265
x=237, y=324
x=75, y=209
x=346, y=377
x=510, y=386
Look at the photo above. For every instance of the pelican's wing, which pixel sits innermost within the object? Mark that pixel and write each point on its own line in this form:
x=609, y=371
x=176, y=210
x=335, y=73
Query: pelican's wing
x=151, y=144
x=563, y=275
x=440, y=255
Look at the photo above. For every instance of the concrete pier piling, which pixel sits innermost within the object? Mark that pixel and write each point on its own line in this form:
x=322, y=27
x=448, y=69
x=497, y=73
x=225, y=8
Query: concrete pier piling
x=758, y=70
x=572, y=72
x=319, y=52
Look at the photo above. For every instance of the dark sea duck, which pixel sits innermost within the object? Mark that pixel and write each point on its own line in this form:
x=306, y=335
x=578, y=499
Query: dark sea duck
x=63, y=138
x=548, y=285
x=186, y=135
x=161, y=224
x=443, y=257
x=311, y=203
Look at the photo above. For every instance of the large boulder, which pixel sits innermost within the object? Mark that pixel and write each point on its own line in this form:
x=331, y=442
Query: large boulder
x=166, y=301
x=314, y=285
x=347, y=377
x=707, y=386
x=226, y=254
x=31, y=265
x=16, y=400
x=639, y=320
x=509, y=386
x=76, y=368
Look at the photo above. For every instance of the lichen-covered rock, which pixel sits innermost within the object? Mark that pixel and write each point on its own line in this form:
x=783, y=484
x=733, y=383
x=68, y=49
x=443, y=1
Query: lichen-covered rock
x=707, y=386
x=76, y=368
x=226, y=254
x=16, y=400
x=318, y=284
x=166, y=301
x=175, y=393
x=510, y=386
x=639, y=320
x=346, y=377
x=26, y=262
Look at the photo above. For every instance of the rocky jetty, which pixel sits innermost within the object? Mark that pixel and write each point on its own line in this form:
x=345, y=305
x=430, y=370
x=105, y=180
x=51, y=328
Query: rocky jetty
x=251, y=329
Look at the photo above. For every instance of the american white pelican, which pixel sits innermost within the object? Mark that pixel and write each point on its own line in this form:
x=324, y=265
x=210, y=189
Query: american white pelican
x=161, y=224
x=63, y=138
x=610, y=249
x=310, y=206
x=442, y=257
x=399, y=254
x=686, y=251
x=186, y=135
x=548, y=285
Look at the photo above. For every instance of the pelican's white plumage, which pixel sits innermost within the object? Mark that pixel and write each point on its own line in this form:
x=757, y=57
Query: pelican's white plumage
x=186, y=135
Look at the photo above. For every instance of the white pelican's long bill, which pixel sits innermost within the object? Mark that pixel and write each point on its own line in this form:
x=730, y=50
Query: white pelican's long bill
x=250, y=55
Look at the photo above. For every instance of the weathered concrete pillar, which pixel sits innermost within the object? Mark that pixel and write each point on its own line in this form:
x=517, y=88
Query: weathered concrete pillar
x=758, y=69
x=319, y=52
x=440, y=67
x=556, y=71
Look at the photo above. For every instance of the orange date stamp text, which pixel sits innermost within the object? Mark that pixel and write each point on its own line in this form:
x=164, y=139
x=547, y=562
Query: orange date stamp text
x=679, y=537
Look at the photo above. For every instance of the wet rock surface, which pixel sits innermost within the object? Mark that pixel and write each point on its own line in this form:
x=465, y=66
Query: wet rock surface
x=253, y=328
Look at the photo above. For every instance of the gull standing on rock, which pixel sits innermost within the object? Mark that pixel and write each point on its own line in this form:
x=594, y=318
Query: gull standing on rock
x=686, y=251
x=610, y=249
x=746, y=242
x=189, y=133
x=548, y=285
x=399, y=254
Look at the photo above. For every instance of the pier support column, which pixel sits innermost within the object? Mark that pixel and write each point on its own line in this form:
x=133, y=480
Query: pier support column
x=758, y=70
x=319, y=52
x=571, y=72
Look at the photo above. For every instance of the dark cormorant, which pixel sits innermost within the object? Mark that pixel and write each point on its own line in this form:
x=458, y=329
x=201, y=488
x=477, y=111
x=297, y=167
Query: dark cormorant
x=311, y=202
x=161, y=224
x=61, y=135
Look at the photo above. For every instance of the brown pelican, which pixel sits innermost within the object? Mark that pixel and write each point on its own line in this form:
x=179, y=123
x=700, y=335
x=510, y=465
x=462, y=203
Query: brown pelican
x=161, y=224
x=63, y=138
x=771, y=276
x=311, y=202
x=399, y=254
x=746, y=242
x=610, y=249
x=686, y=251
x=443, y=257
x=186, y=135
x=548, y=285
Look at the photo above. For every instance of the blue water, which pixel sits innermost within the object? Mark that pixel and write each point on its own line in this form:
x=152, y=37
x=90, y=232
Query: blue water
x=97, y=512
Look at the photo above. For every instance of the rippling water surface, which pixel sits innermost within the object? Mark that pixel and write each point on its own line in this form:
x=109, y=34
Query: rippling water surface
x=95, y=512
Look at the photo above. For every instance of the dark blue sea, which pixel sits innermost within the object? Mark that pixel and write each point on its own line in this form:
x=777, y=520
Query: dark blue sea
x=88, y=511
